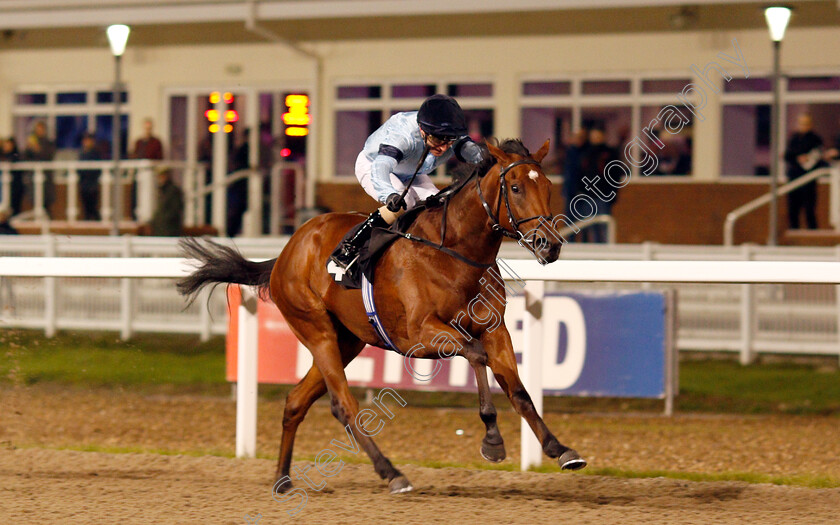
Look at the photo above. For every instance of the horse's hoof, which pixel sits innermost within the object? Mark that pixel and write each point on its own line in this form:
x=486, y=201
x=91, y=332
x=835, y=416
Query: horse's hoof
x=282, y=485
x=571, y=460
x=399, y=485
x=493, y=453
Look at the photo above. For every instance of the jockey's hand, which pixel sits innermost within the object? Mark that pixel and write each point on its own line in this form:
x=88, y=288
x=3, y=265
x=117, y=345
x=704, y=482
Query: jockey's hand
x=395, y=202
x=433, y=201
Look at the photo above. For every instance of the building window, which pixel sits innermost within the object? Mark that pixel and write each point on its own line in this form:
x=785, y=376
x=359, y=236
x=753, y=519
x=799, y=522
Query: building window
x=68, y=113
x=747, y=118
x=361, y=109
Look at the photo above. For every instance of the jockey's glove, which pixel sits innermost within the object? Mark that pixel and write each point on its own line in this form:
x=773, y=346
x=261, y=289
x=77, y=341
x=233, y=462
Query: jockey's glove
x=395, y=202
x=468, y=151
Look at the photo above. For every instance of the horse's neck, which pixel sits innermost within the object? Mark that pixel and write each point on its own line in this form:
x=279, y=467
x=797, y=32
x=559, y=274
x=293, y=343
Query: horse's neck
x=468, y=227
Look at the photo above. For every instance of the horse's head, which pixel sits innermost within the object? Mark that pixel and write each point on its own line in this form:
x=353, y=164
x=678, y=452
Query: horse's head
x=522, y=193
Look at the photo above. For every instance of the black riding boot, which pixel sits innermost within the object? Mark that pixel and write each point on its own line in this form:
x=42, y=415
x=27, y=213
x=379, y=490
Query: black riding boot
x=349, y=248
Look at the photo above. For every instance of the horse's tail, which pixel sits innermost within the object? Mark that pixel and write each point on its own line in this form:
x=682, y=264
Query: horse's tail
x=221, y=264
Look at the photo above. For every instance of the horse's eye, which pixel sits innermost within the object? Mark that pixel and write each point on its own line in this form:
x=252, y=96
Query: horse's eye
x=514, y=188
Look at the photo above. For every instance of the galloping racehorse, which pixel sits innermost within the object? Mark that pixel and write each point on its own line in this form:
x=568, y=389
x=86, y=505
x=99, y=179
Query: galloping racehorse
x=419, y=288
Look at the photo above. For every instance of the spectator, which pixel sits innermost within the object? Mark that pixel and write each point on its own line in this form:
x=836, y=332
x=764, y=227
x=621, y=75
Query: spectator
x=9, y=153
x=89, y=179
x=803, y=155
x=168, y=219
x=595, y=160
x=40, y=148
x=148, y=146
x=572, y=171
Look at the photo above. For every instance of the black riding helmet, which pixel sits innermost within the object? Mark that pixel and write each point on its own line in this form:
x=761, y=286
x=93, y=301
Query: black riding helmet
x=442, y=117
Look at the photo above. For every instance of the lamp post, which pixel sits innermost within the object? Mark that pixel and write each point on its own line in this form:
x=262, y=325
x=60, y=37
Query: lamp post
x=777, y=21
x=117, y=38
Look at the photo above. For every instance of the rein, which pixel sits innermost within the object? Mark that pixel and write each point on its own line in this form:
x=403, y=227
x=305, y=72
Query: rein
x=516, y=234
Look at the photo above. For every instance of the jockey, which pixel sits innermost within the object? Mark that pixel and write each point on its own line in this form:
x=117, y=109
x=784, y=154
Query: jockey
x=416, y=141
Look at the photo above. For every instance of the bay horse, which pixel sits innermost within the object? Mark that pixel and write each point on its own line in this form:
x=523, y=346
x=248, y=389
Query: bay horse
x=419, y=289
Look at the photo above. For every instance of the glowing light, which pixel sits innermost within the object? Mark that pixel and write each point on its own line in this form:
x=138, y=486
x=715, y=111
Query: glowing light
x=215, y=97
x=231, y=116
x=214, y=128
x=297, y=100
x=777, y=21
x=297, y=132
x=118, y=38
x=285, y=152
x=228, y=97
x=228, y=128
x=296, y=119
x=212, y=115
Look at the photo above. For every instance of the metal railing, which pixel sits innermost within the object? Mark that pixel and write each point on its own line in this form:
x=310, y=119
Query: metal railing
x=834, y=212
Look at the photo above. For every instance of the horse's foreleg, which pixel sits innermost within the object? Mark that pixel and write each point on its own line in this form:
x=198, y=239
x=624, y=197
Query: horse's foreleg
x=492, y=446
x=435, y=345
x=502, y=361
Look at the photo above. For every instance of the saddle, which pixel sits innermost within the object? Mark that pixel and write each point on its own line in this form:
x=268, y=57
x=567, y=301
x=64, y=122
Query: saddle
x=375, y=247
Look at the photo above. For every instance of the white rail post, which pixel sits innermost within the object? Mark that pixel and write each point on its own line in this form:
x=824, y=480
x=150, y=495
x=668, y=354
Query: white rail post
x=50, y=300
x=5, y=186
x=748, y=317
x=146, y=183
x=246, y=377
x=72, y=193
x=39, y=181
x=834, y=199
x=126, y=295
x=837, y=298
x=205, y=321
x=532, y=334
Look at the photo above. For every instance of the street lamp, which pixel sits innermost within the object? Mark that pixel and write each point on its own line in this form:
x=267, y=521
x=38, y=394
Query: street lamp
x=117, y=37
x=777, y=21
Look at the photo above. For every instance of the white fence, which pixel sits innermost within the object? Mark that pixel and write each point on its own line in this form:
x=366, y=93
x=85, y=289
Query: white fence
x=699, y=272
x=744, y=318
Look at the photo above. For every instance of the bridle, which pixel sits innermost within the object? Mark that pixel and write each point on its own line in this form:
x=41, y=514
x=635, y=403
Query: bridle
x=516, y=234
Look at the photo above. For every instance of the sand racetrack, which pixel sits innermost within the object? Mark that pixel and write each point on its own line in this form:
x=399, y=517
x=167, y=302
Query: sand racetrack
x=41, y=484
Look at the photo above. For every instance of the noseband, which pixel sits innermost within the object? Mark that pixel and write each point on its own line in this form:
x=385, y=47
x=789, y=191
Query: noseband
x=516, y=234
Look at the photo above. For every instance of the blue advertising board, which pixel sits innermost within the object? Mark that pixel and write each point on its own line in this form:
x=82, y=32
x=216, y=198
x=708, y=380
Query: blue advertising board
x=601, y=344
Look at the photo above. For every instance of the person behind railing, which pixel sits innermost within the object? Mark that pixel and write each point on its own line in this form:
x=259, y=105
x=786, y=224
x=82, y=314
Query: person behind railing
x=39, y=148
x=572, y=170
x=9, y=153
x=595, y=160
x=148, y=146
x=89, y=179
x=237, y=192
x=168, y=218
x=803, y=155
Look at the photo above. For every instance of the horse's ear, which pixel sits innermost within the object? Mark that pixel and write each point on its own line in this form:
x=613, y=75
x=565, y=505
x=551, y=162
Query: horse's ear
x=542, y=152
x=500, y=156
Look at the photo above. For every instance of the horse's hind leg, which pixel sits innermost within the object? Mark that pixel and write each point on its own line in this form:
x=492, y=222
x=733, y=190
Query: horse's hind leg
x=298, y=402
x=316, y=331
